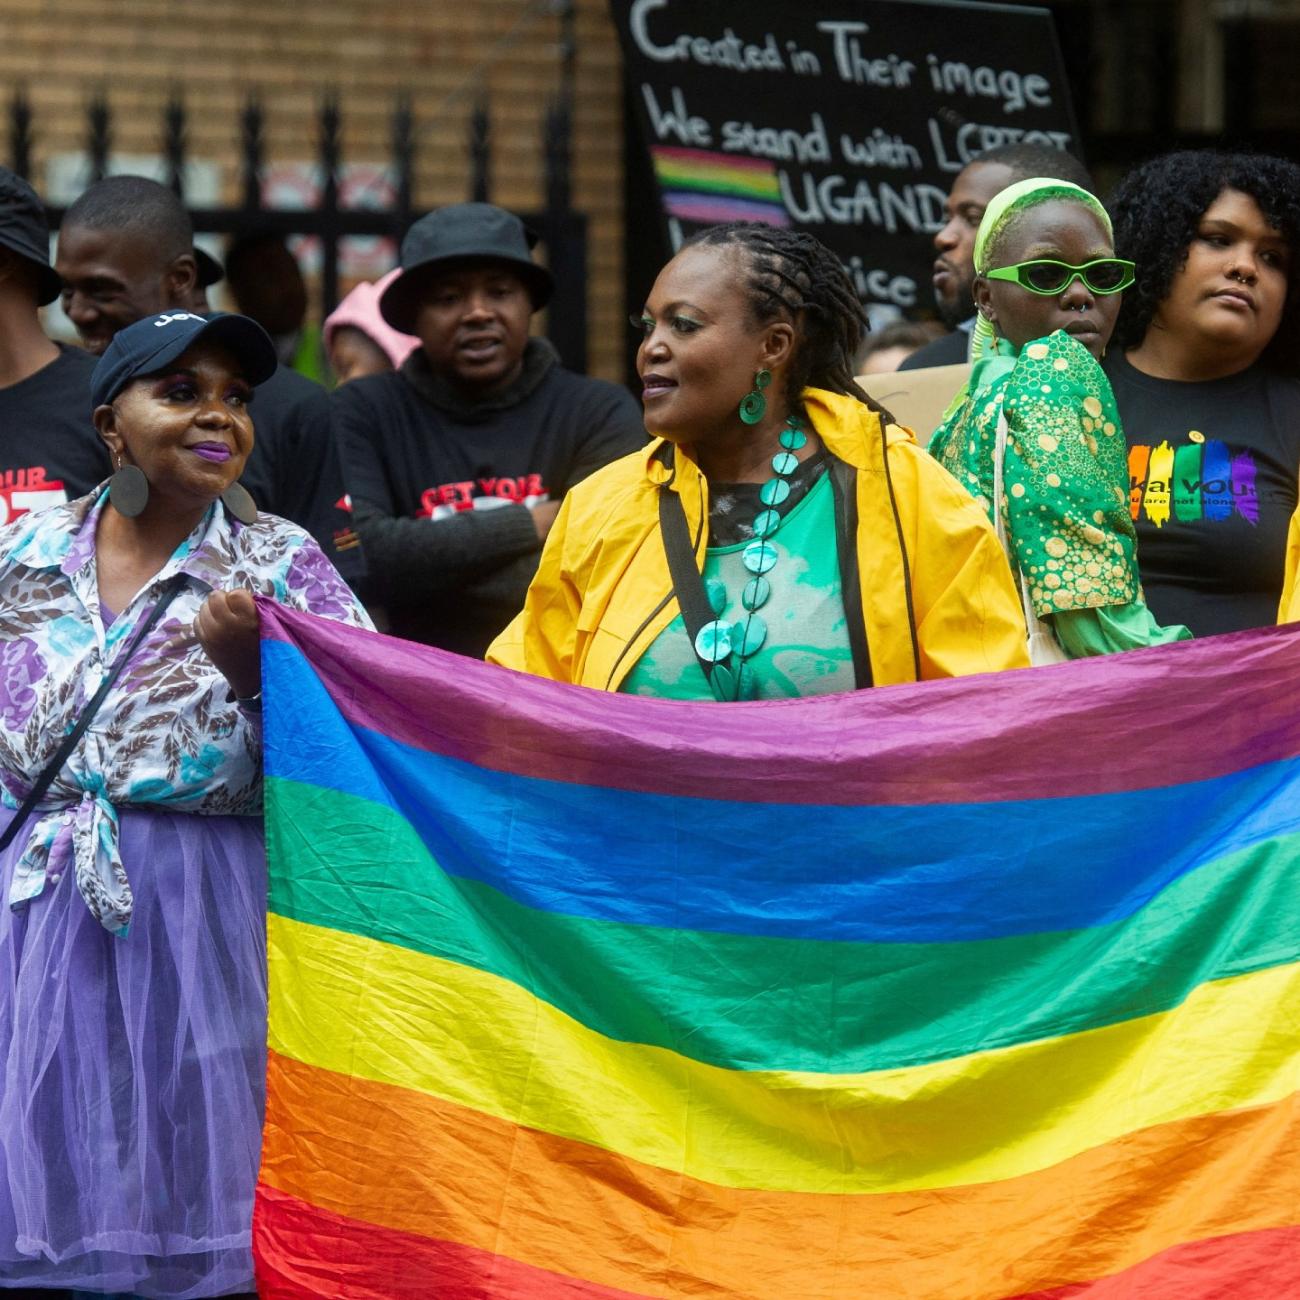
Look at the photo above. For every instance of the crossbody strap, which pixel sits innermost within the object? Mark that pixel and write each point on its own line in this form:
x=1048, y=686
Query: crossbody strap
x=69, y=743
x=999, y=469
x=844, y=484
x=688, y=584
x=693, y=598
x=1032, y=621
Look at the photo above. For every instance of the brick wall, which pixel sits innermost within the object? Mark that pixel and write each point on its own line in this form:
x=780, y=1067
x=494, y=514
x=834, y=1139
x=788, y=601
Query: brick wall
x=137, y=51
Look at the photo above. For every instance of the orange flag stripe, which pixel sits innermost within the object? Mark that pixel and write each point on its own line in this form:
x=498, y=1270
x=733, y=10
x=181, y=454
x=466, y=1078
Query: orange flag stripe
x=1237, y=1172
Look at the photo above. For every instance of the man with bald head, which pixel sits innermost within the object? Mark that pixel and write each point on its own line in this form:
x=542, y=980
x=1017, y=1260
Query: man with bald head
x=126, y=251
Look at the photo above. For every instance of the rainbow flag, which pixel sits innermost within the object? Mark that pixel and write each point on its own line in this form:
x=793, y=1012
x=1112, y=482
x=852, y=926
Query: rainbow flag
x=964, y=991
x=712, y=188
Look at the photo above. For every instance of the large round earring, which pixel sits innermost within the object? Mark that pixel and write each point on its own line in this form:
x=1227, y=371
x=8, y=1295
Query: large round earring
x=753, y=406
x=239, y=502
x=128, y=490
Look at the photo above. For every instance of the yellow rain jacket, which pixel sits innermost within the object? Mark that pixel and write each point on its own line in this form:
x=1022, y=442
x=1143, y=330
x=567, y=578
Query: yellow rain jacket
x=1288, y=610
x=603, y=591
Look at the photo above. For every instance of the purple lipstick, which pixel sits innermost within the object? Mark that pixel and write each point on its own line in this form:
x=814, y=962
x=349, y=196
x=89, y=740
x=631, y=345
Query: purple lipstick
x=216, y=451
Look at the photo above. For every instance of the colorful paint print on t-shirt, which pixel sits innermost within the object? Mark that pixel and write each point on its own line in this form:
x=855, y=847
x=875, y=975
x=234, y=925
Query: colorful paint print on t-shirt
x=1202, y=480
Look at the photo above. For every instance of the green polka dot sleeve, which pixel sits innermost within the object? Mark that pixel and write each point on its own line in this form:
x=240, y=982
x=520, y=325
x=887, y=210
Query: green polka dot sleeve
x=1065, y=494
x=1066, y=480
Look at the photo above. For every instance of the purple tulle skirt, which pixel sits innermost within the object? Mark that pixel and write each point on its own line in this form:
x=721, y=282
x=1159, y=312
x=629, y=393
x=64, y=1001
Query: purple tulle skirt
x=132, y=1070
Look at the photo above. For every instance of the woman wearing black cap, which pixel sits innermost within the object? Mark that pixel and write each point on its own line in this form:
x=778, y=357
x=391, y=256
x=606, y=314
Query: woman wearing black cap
x=132, y=947
x=456, y=461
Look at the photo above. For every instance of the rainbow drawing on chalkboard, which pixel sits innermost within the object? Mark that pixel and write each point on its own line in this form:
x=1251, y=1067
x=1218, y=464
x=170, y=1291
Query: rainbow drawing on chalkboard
x=708, y=188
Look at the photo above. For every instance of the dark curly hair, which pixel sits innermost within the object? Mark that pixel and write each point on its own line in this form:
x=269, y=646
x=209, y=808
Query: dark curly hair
x=795, y=277
x=1157, y=208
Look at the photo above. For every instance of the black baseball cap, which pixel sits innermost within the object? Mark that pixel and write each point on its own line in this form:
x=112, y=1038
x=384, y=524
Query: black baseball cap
x=24, y=230
x=152, y=344
x=455, y=236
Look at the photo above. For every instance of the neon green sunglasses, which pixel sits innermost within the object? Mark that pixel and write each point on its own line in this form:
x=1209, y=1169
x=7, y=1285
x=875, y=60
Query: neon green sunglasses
x=1049, y=277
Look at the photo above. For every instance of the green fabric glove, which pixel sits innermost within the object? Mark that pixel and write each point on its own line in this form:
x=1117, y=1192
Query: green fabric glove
x=1084, y=632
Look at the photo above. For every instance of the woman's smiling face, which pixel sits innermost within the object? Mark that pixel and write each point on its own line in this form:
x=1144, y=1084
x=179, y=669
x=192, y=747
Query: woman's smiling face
x=1065, y=231
x=187, y=428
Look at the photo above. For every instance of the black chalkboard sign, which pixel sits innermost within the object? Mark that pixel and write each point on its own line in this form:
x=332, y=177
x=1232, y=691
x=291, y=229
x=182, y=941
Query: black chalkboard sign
x=846, y=118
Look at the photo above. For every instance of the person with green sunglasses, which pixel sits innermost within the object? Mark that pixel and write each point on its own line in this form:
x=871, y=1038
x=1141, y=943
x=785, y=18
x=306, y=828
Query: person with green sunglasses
x=1034, y=434
x=1047, y=276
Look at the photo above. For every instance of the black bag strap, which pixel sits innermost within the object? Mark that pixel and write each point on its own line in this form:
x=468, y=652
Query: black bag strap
x=693, y=598
x=69, y=743
x=844, y=484
x=688, y=584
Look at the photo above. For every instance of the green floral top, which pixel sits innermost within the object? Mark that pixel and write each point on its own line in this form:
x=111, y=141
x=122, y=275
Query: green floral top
x=1065, y=487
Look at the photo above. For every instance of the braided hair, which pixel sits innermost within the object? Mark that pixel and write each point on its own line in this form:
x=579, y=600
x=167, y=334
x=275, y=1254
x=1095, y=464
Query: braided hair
x=796, y=278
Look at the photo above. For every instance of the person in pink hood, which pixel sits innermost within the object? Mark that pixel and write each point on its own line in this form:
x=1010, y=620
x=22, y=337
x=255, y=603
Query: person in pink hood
x=358, y=340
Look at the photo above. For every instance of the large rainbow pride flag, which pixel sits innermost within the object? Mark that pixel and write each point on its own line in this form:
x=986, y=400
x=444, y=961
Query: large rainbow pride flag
x=965, y=991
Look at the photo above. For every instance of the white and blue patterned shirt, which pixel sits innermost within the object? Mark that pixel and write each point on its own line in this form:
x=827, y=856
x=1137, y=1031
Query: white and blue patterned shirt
x=169, y=733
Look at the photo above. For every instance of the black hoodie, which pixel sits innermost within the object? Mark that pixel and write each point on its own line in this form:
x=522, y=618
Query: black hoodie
x=440, y=485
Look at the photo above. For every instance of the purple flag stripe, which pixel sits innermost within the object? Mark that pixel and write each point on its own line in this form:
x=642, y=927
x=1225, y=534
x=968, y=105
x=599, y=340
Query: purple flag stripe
x=972, y=739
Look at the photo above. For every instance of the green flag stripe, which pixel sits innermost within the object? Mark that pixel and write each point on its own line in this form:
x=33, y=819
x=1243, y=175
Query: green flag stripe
x=748, y=1002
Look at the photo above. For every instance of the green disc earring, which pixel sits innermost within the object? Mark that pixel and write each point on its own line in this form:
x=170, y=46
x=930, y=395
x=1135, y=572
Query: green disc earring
x=753, y=406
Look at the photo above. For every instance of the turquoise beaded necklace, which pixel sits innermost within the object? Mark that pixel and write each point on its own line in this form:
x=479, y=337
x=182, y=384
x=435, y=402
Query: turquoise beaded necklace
x=726, y=646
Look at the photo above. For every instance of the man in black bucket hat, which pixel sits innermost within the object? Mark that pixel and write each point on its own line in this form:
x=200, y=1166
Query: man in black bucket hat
x=458, y=236
x=455, y=464
x=49, y=451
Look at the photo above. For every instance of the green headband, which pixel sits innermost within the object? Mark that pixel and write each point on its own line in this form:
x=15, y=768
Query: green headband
x=1009, y=203
x=1005, y=206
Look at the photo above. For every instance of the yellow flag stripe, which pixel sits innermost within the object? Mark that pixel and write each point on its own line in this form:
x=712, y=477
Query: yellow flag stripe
x=391, y=1015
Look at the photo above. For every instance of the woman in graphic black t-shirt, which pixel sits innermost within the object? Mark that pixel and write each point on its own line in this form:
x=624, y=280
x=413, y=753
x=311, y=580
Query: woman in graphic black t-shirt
x=1204, y=365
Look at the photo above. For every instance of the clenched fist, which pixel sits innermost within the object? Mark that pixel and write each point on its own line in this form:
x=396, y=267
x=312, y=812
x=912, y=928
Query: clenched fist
x=227, y=629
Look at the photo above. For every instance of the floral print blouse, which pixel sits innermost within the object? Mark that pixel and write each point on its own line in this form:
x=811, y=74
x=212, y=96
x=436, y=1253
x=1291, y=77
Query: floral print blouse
x=169, y=734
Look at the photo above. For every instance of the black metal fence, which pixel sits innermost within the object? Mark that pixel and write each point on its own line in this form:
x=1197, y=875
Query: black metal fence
x=563, y=231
